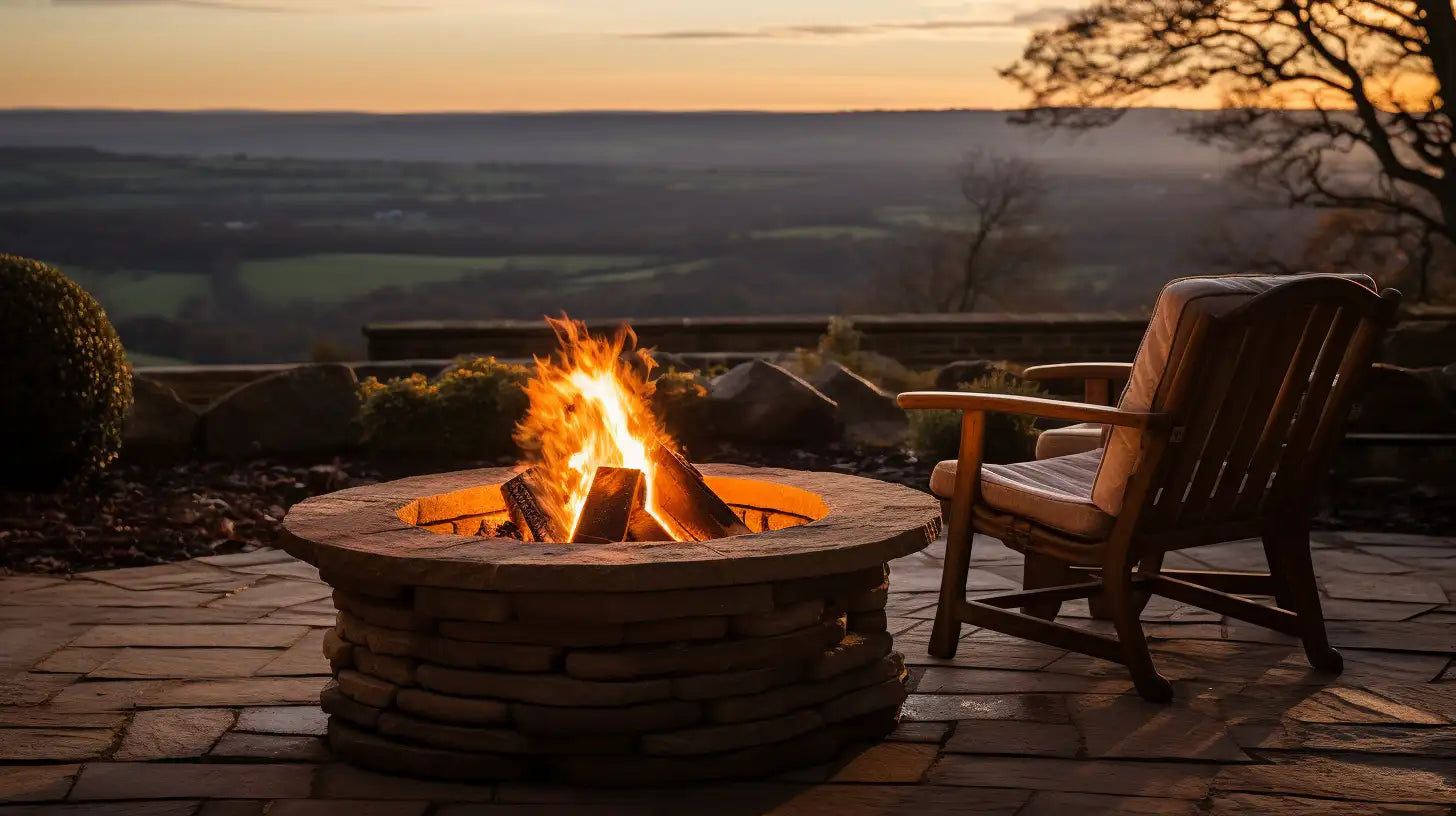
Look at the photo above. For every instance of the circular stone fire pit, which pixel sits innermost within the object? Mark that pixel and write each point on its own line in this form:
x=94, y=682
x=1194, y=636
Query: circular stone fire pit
x=466, y=657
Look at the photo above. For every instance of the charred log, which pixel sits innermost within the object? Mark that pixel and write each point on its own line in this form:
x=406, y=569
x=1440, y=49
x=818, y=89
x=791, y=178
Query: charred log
x=685, y=498
x=527, y=510
x=607, y=512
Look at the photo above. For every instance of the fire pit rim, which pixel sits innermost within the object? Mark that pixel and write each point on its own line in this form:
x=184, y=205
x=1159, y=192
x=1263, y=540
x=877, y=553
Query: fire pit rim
x=359, y=532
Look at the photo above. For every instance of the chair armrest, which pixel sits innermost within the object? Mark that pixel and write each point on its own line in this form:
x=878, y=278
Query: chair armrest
x=1035, y=406
x=1079, y=371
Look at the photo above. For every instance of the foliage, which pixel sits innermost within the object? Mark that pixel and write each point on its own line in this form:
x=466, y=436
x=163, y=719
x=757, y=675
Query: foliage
x=951, y=269
x=680, y=400
x=67, y=381
x=935, y=435
x=327, y=350
x=468, y=413
x=1333, y=104
x=841, y=344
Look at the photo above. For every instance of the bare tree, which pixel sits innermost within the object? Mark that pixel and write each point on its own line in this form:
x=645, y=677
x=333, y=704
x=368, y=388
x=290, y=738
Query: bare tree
x=1335, y=104
x=1251, y=238
x=951, y=268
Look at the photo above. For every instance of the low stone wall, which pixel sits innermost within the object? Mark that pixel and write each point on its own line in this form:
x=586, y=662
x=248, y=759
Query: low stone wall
x=918, y=341
x=199, y=386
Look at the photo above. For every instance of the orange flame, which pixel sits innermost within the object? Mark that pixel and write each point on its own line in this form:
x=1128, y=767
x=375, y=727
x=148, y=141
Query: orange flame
x=589, y=409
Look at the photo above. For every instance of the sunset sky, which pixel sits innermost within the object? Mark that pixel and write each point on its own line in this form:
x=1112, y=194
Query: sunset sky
x=495, y=55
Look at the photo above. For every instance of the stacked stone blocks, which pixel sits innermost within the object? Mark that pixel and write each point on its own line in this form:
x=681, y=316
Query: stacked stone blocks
x=612, y=687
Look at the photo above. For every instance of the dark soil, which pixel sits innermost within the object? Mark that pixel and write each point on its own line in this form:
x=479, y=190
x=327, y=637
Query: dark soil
x=147, y=514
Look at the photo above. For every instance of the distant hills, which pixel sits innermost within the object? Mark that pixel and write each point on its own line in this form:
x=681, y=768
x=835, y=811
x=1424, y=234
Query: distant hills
x=1144, y=139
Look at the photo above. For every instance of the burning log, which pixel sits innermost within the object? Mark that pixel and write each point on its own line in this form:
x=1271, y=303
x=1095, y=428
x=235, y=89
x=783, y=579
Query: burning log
x=643, y=527
x=606, y=515
x=526, y=510
x=685, y=498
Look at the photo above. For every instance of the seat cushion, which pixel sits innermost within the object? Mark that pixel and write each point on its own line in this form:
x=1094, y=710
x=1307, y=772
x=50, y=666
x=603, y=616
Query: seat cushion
x=1079, y=438
x=1055, y=493
x=1182, y=305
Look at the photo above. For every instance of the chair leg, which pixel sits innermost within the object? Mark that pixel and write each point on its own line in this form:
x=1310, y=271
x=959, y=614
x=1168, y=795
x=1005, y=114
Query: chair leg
x=1293, y=571
x=1042, y=572
x=946, y=634
x=1101, y=608
x=1117, y=580
x=1274, y=556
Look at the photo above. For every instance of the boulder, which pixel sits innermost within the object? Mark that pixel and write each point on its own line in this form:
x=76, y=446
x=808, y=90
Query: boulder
x=761, y=402
x=159, y=423
x=884, y=367
x=950, y=376
x=1403, y=400
x=308, y=409
x=1421, y=344
x=667, y=361
x=869, y=413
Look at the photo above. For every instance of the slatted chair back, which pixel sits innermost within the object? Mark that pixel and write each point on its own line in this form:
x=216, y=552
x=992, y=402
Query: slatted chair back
x=1257, y=393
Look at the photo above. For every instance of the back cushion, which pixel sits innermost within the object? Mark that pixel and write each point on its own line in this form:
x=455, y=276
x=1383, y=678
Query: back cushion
x=1181, y=305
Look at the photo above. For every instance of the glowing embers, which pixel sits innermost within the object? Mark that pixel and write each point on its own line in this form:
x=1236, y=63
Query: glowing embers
x=601, y=467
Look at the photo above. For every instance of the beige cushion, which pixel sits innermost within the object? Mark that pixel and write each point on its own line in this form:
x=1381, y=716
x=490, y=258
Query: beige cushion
x=1055, y=492
x=1182, y=304
x=1079, y=438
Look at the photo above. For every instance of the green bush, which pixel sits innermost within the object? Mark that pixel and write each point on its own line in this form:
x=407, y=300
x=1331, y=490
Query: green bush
x=680, y=400
x=935, y=435
x=468, y=413
x=67, y=383
x=841, y=344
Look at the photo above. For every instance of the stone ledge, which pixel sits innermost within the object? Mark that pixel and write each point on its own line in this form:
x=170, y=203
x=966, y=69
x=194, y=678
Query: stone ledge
x=760, y=760
x=397, y=670
x=543, y=689
x=720, y=656
x=635, y=607
x=785, y=699
x=382, y=755
x=369, y=532
x=564, y=634
x=445, y=708
x=499, y=740
x=334, y=702
x=714, y=739
x=628, y=719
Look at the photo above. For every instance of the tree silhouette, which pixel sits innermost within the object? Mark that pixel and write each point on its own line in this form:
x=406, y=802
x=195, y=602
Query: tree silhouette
x=1335, y=104
x=951, y=267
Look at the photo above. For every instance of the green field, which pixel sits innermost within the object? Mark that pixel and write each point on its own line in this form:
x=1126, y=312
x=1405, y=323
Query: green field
x=141, y=360
x=128, y=294
x=647, y=273
x=336, y=278
x=829, y=232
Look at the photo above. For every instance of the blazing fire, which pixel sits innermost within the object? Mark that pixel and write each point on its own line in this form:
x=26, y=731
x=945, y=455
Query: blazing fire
x=589, y=409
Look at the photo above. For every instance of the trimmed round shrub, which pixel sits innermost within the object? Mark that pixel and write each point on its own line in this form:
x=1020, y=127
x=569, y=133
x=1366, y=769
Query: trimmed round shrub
x=67, y=385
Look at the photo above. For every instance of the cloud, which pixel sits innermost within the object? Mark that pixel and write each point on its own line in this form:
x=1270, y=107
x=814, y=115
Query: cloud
x=257, y=6
x=1025, y=19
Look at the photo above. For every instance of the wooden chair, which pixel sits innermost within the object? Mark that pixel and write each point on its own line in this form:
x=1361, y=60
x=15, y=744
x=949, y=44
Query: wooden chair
x=1101, y=382
x=1235, y=404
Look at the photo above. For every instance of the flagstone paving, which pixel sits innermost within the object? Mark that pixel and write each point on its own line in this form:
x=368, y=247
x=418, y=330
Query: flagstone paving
x=191, y=690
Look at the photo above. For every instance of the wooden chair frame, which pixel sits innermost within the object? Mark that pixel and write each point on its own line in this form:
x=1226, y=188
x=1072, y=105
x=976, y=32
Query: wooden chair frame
x=1098, y=379
x=1275, y=427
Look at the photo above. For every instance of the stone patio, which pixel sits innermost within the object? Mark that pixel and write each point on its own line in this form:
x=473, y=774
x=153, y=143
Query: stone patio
x=192, y=688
